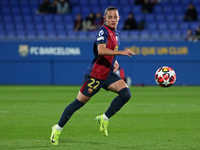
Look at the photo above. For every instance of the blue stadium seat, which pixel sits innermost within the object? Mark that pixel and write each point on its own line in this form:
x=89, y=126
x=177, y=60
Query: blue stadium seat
x=139, y=17
x=167, y=9
x=60, y=27
x=41, y=34
x=58, y=18
x=198, y=11
x=145, y=34
x=165, y=2
x=61, y=35
x=25, y=10
x=16, y=10
x=176, y=34
x=9, y=27
x=184, y=25
x=19, y=26
x=29, y=26
x=2, y=34
x=104, y=2
x=35, y=2
x=17, y=18
x=34, y=9
x=94, y=3
x=70, y=26
x=157, y=9
x=21, y=34
x=37, y=18
x=195, y=2
x=72, y=34
x=39, y=26
x=4, y=2
x=114, y=2
x=149, y=18
x=92, y=34
x=1, y=27
x=136, y=9
x=5, y=10
x=179, y=17
x=160, y=17
x=134, y=34
x=152, y=26
x=173, y=26
x=76, y=10
x=31, y=34
x=95, y=9
x=155, y=34
x=27, y=18
x=84, y=2
x=170, y=17
x=50, y=27
x=185, y=2
x=10, y=34
x=166, y=34
x=24, y=2
x=126, y=10
x=162, y=26
x=52, y=34
x=124, y=34
x=85, y=10
x=178, y=9
x=48, y=18
x=175, y=2
x=83, y=35
x=124, y=3
x=184, y=33
x=68, y=18
x=120, y=25
x=194, y=25
x=8, y=18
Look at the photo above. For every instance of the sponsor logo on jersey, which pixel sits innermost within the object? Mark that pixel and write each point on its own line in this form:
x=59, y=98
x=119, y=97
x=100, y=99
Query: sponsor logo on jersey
x=101, y=33
x=100, y=38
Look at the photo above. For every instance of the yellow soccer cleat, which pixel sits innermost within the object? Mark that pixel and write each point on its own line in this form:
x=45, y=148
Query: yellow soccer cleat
x=55, y=135
x=103, y=124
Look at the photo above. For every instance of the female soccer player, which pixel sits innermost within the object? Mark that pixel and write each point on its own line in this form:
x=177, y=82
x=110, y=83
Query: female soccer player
x=100, y=74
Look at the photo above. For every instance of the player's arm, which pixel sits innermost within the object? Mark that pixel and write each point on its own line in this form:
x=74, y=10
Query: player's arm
x=116, y=66
x=102, y=50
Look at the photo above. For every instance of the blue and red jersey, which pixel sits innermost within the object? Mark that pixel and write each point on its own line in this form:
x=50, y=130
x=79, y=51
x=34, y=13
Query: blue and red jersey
x=102, y=65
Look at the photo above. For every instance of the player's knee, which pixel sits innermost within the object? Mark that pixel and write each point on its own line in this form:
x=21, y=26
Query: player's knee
x=125, y=94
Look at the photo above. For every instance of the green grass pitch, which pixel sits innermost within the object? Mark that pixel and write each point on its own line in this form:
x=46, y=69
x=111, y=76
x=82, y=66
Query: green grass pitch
x=154, y=119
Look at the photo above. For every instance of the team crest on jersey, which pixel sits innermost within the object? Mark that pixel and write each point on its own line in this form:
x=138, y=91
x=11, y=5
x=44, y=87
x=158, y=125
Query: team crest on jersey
x=116, y=48
x=90, y=90
x=101, y=33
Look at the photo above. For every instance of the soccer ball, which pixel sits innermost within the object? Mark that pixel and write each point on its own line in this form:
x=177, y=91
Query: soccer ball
x=165, y=76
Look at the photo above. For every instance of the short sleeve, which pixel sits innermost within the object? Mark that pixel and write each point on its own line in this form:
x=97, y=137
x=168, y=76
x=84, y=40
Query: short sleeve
x=101, y=36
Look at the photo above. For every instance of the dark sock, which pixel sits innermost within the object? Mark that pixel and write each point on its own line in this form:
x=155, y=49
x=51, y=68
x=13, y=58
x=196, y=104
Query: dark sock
x=118, y=102
x=68, y=112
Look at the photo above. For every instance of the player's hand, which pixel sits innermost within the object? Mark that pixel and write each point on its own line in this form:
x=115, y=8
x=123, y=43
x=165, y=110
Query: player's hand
x=128, y=52
x=116, y=66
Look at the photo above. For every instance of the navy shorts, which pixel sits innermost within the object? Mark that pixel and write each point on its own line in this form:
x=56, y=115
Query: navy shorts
x=91, y=85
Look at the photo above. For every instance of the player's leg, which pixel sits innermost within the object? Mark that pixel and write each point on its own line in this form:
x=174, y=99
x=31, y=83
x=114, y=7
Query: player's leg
x=116, y=85
x=79, y=102
x=66, y=115
x=89, y=88
x=118, y=102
